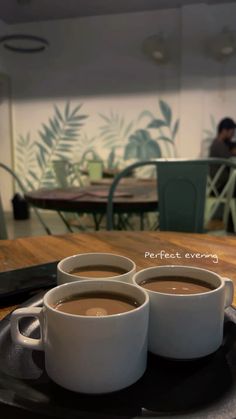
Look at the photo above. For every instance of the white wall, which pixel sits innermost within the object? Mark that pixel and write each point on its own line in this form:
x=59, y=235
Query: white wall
x=6, y=141
x=6, y=181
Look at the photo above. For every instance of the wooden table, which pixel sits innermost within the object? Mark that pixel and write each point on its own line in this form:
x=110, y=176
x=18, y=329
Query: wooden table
x=35, y=250
x=132, y=196
x=106, y=173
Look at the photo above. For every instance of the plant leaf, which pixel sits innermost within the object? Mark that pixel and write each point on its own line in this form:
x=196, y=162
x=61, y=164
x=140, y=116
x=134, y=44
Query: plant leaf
x=166, y=111
x=33, y=175
x=157, y=123
x=146, y=114
x=175, y=129
x=67, y=110
x=131, y=152
x=166, y=139
x=76, y=110
x=128, y=129
x=58, y=113
x=153, y=150
x=106, y=118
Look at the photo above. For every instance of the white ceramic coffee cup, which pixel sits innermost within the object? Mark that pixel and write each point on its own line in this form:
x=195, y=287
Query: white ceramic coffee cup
x=186, y=326
x=65, y=266
x=90, y=354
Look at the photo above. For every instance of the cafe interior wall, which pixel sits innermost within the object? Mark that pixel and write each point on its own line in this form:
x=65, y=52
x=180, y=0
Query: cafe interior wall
x=6, y=138
x=94, y=94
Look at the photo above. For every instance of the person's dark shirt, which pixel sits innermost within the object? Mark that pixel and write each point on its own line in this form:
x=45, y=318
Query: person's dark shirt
x=220, y=149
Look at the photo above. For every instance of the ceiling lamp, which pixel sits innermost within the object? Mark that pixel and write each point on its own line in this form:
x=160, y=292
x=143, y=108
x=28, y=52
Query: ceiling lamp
x=222, y=46
x=23, y=43
x=156, y=48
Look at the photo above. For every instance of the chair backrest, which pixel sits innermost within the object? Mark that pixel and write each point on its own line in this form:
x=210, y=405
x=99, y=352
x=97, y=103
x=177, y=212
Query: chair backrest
x=217, y=198
x=181, y=195
x=181, y=186
x=230, y=199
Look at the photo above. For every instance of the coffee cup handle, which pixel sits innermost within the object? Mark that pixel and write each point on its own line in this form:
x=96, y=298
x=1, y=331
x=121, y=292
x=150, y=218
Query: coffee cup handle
x=17, y=336
x=229, y=291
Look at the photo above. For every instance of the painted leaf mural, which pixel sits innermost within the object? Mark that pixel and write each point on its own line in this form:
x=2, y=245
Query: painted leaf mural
x=26, y=165
x=167, y=128
x=115, y=130
x=157, y=123
x=64, y=136
x=85, y=148
x=114, y=133
x=58, y=140
x=166, y=112
x=141, y=146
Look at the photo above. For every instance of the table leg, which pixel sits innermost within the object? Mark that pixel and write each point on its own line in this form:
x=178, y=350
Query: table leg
x=97, y=220
x=141, y=220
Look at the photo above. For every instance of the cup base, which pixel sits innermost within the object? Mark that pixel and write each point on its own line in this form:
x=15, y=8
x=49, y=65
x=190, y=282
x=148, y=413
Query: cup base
x=195, y=359
x=99, y=392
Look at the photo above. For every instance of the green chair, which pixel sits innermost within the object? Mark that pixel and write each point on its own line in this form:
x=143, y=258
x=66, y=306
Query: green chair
x=181, y=188
x=181, y=195
x=230, y=203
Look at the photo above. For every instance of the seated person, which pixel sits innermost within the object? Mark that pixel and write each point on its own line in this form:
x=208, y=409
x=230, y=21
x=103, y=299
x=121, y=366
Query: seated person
x=223, y=147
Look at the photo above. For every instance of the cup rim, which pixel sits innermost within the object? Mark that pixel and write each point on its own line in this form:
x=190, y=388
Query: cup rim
x=96, y=281
x=84, y=278
x=190, y=268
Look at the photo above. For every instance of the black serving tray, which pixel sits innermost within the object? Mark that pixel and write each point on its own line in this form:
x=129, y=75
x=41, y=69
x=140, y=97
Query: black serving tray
x=205, y=388
x=18, y=285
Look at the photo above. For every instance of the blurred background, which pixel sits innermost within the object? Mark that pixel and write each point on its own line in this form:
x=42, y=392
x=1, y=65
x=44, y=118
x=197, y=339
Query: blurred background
x=118, y=81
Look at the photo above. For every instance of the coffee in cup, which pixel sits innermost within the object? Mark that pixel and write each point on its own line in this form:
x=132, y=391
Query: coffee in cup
x=86, y=266
x=97, y=304
x=176, y=285
x=98, y=271
x=185, y=323
x=90, y=353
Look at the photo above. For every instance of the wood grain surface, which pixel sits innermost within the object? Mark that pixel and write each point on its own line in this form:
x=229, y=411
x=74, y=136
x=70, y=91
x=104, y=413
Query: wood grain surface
x=210, y=252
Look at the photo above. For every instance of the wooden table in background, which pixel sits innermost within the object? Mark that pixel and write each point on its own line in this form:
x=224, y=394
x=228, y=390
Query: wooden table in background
x=30, y=251
x=132, y=196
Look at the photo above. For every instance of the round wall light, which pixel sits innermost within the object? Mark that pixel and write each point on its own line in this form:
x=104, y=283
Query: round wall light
x=223, y=45
x=23, y=43
x=156, y=48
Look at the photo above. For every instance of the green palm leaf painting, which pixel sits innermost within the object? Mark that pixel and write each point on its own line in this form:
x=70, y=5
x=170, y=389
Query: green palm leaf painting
x=115, y=130
x=115, y=133
x=141, y=146
x=26, y=164
x=166, y=112
x=58, y=140
x=63, y=137
x=164, y=123
x=84, y=148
